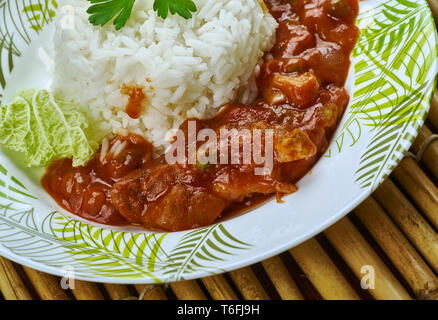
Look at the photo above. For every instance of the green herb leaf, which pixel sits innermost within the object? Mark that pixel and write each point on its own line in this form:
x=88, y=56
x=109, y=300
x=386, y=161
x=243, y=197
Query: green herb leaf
x=45, y=129
x=181, y=7
x=102, y=11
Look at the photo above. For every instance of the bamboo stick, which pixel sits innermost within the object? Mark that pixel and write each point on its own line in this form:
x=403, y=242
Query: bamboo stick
x=423, y=133
x=219, y=288
x=362, y=259
x=430, y=154
x=84, y=290
x=47, y=286
x=322, y=272
x=403, y=213
x=11, y=285
x=419, y=187
x=419, y=276
x=117, y=291
x=430, y=158
x=187, y=290
x=433, y=113
x=248, y=284
x=156, y=293
x=150, y=292
x=282, y=280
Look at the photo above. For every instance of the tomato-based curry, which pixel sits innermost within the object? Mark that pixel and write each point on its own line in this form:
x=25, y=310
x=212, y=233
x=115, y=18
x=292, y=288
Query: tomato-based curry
x=301, y=101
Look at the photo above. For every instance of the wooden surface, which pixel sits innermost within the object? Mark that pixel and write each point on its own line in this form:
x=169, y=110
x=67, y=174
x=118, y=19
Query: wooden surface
x=391, y=238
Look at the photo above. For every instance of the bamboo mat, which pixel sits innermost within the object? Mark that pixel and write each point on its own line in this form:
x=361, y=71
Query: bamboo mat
x=395, y=231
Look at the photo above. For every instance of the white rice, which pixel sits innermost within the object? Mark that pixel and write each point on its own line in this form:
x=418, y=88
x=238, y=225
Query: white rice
x=187, y=68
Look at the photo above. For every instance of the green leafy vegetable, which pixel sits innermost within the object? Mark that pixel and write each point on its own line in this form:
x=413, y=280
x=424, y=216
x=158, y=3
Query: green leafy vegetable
x=103, y=11
x=181, y=7
x=45, y=129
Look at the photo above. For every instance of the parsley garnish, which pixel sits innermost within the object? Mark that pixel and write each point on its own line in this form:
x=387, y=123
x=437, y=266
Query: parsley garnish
x=102, y=11
x=182, y=7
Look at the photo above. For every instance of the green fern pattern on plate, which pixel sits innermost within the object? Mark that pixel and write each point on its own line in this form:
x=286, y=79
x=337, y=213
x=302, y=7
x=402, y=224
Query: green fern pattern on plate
x=40, y=13
x=198, y=247
x=21, y=21
x=394, y=53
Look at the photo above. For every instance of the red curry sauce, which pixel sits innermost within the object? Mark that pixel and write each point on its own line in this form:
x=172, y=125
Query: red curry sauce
x=301, y=97
x=134, y=107
x=85, y=190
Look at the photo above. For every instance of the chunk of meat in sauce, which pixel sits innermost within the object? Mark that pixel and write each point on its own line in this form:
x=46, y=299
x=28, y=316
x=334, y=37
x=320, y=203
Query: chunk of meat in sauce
x=122, y=155
x=291, y=29
x=166, y=197
x=175, y=197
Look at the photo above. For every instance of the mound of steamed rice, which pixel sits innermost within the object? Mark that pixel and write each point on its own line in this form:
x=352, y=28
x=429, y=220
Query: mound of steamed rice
x=186, y=68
